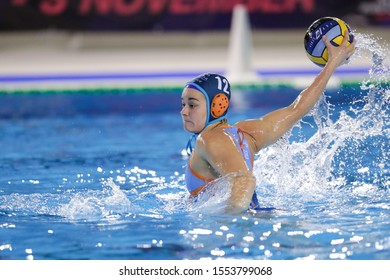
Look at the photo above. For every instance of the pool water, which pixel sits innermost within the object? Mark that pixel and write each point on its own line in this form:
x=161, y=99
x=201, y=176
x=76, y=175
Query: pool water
x=100, y=176
x=110, y=186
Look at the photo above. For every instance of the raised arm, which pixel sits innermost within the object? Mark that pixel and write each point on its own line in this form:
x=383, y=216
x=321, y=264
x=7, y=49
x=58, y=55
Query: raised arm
x=272, y=126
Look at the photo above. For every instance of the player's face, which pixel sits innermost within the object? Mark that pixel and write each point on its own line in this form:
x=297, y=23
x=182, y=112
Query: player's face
x=194, y=110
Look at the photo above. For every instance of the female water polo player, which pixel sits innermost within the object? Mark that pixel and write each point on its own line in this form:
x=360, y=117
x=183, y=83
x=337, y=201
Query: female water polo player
x=217, y=148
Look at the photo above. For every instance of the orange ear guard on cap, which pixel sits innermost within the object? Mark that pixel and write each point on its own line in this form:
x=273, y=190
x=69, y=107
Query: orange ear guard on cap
x=219, y=105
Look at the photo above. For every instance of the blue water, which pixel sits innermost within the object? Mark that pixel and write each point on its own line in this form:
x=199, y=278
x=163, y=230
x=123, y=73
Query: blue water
x=87, y=176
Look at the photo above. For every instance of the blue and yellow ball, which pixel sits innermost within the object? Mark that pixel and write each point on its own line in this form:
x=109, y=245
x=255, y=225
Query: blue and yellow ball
x=334, y=29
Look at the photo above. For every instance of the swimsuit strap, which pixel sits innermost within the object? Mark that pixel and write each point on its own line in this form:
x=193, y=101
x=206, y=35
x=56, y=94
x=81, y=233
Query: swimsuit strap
x=241, y=143
x=241, y=138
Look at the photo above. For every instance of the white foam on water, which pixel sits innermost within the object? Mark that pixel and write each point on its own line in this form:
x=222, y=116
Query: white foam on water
x=289, y=173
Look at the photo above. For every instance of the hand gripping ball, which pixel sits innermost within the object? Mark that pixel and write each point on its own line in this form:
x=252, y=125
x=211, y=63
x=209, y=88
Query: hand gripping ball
x=334, y=29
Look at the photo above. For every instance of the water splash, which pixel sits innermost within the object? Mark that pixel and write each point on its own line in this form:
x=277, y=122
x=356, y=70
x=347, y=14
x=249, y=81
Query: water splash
x=357, y=140
x=111, y=202
x=214, y=198
x=72, y=204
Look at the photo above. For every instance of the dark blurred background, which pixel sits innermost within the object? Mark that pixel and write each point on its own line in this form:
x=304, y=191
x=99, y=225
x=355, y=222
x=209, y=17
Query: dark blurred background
x=183, y=15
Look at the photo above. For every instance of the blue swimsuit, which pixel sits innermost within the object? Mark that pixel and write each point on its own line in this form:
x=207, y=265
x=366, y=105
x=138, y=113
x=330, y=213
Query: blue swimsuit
x=195, y=182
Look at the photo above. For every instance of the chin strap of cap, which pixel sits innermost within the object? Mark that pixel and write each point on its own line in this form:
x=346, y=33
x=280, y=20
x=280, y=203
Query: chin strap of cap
x=189, y=147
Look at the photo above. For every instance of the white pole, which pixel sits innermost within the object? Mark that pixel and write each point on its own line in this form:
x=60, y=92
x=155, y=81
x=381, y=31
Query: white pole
x=240, y=69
